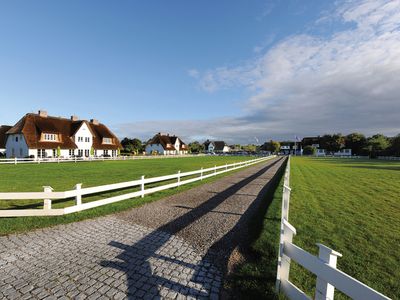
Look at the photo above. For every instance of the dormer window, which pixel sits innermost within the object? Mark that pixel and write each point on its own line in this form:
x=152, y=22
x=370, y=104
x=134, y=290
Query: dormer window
x=50, y=137
x=107, y=141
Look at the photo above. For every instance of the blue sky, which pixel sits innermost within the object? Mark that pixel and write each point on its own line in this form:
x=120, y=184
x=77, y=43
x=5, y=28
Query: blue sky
x=233, y=70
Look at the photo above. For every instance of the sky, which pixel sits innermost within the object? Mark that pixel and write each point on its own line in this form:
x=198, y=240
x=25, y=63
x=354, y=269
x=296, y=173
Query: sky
x=239, y=71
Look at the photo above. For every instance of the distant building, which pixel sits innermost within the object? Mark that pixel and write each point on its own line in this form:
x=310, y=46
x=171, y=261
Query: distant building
x=165, y=144
x=40, y=136
x=216, y=147
x=288, y=147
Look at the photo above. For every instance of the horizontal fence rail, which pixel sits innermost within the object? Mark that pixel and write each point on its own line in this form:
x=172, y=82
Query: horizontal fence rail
x=48, y=194
x=389, y=157
x=16, y=161
x=323, y=266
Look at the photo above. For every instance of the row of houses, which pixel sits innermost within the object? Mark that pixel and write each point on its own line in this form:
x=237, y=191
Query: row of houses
x=38, y=135
x=289, y=147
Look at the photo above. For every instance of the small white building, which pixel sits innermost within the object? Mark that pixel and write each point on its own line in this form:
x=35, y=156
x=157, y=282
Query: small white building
x=216, y=147
x=41, y=136
x=343, y=152
x=164, y=144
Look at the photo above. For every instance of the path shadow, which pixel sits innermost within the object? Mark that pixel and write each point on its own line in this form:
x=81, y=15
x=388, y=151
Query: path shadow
x=146, y=262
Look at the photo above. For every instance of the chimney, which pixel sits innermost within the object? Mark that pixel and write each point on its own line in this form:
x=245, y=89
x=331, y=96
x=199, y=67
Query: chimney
x=94, y=121
x=74, y=118
x=42, y=113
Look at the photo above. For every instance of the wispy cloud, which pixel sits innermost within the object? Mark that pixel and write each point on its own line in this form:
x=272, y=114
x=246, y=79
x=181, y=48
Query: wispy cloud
x=309, y=84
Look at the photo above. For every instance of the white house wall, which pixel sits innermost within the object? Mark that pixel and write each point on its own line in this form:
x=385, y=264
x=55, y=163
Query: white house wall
x=15, y=148
x=83, y=132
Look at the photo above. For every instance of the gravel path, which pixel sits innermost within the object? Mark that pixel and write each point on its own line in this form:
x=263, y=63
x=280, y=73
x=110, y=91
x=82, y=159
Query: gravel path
x=175, y=248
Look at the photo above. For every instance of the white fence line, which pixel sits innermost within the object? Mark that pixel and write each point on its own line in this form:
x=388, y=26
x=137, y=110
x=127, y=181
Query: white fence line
x=48, y=194
x=388, y=157
x=16, y=161
x=324, y=266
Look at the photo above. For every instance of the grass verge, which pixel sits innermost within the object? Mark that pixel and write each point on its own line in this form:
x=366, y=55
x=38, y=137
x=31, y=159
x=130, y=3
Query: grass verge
x=255, y=279
x=21, y=224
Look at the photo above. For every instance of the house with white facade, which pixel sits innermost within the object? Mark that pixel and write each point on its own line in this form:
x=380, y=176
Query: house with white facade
x=165, y=144
x=40, y=136
x=216, y=147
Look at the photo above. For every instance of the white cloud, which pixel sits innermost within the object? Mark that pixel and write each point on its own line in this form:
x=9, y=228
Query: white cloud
x=305, y=84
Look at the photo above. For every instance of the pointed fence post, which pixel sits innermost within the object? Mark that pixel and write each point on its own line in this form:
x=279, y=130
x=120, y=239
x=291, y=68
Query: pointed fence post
x=47, y=202
x=287, y=232
x=78, y=197
x=142, y=186
x=179, y=178
x=324, y=290
x=201, y=174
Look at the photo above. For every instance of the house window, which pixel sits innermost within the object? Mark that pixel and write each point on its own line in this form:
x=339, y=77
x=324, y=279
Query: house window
x=80, y=139
x=107, y=141
x=71, y=152
x=87, y=153
x=54, y=152
x=95, y=152
x=80, y=152
x=87, y=139
x=16, y=138
x=41, y=153
x=105, y=152
x=50, y=137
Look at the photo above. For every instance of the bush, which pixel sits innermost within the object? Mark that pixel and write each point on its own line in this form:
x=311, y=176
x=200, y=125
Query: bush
x=309, y=150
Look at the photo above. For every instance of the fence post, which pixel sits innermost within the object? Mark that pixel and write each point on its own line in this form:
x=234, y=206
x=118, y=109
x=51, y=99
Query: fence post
x=201, y=174
x=287, y=232
x=324, y=290
x=285, y=204
x=47, y=202
x=226, y=166
x=142, y=186
x=179, y=178
x=15, y=161
x=78, y=197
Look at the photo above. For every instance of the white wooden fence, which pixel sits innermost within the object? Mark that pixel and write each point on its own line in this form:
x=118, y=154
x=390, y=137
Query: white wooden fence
x=388, y=157
x=324, y=266
x=48, y=194
x=16, y=161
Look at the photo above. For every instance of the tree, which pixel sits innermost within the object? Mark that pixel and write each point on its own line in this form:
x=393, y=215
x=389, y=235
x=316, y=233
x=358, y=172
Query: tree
x=309, y=150
x=196, y=147
x=58, y=151
x=250, y=148
x=271, y=146
x=395, y=146
x=377, y=143
x=132, y=145
x=356, y=142
x=91, y=151
x=332, y=143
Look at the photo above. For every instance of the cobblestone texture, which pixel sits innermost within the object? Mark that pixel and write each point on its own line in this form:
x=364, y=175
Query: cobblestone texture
x=107, y=258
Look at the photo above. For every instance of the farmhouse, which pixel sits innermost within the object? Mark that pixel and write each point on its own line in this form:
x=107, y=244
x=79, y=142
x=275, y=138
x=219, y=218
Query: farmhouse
x=216, y=147
x=164, y=144
x=3, y=130
x=39, y=136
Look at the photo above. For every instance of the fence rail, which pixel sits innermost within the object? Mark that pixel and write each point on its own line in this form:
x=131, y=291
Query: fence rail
x=389, y=157
x=324, y=266
x=48, y=194
x=16, y=161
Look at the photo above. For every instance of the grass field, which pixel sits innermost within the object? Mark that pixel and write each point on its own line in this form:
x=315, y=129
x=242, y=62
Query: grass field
x=353, y=207
x=31, y=177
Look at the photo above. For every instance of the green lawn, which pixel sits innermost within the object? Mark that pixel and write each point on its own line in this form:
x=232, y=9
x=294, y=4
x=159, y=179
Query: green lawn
x=63, y=176
x=353, y=207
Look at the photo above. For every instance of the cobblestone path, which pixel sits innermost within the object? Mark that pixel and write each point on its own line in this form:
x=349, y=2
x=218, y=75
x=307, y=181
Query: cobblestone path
x=116, y=257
